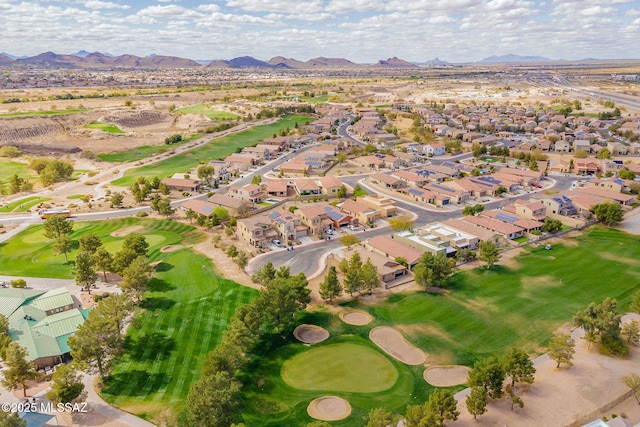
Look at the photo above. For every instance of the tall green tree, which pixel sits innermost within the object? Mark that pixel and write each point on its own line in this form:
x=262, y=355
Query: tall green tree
x=89, y=243
x=282, y=298
x=116, y=199
x=488, y=253
x=264, y=274
x=206, y=173
x=513, y=397
x=609, y=213
x=401, y=223
x=116, y=307
x=369, y=275
x=380, y=417
x=420, y=416
x=84, y=270
x=134, y=245
x=19, y=371
x=5, y=339
x=443, y=405
x=136, y=277
x=561, y=349
x=63, y=245
x=330, y=286
x=601, y=322
x=487, y=373
x=214, y=401
x=96, y=342
x=631, y=332
x=517, y=366
x=67, y=384
x=11, y=419
x=56, y=226
x=477, y=401
x=102, y=260
x=353, y=276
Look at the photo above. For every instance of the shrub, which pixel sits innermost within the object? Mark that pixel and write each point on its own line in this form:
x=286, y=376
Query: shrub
x=18, y=283
x=614, y=346
x=142, y=214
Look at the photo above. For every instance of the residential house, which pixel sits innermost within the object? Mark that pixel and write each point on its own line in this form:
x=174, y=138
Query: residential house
x=250, y=192
x=585, y=166
x=234, y=206
x=558, y=166
x=287, y=225
x=371, y=162
x=563, y=146
x=42, y=322
x=527, y=224
x=528, y=209
x=412, y=178
x=298, y=167
x=605, y=195
x=439, y=232
x=425, y=196
x=306, y=187
x=323, y=216
x=362, y=213
x=387, y=181
x=178, y=184
x=452, y=194
x=393, y=250
x=388, y=270
x=557, y=204
x=425, y=243
x=386, y=206
x=330, y=185
x=434, y=149
x=507, y=230
x=617, y=148
x=277, y=188
x=201, y=207
x=483, y=234
x=256, y=231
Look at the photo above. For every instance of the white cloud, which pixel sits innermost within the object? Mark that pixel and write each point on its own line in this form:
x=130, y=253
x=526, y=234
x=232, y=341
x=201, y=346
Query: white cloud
x=209, y=7
x=97, y=4
x=170, y=11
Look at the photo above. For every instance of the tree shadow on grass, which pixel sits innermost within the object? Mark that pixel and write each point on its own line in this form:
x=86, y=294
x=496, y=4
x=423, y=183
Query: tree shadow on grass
x=163, y=267
x=159, y=285
x=149, y=347
x=134, y=383
x=157, y=303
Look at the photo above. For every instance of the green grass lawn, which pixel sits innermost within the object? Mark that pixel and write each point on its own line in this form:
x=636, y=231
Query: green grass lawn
x=31, y=254
x=43, y=113
x=485, y=313
x=8, y=168
x=105, y=127
x=209, y=111
x=218, y=148
x=340, y=367
x=185, y=313
x=23, y=205
x=318, y=99
x=143, y=151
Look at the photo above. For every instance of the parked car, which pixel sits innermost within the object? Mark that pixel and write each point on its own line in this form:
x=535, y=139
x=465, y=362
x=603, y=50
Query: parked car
x=277, y=242
x=353, y=228
x=329, y=231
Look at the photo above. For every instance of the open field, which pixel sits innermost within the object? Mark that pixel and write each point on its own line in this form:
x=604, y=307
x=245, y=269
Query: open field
x=485, y=313
x=105, y=127
x=23, y=205
x=216, y=149
x=144, y=151
x=210, y=111
x=31, y=254
x=8, y=168
x=185, y=313
x=42, y=113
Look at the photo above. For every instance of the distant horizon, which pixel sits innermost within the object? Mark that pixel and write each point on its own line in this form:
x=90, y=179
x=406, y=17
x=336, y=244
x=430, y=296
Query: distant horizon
x=204, y=60
x=461, y=31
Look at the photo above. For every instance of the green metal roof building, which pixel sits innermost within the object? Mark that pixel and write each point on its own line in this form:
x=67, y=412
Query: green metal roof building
x=41, y=322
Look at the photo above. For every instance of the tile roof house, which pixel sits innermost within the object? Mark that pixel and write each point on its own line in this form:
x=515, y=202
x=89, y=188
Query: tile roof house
x=277, y=188
x=256, y=231
x=323, y=216
x=363, y=213
x=235, y=206
x=42, y=322
x=181, y=184
x=387, y=181
x=330, y=185
x=201, y=207
x=507, y=230
x=393, y=249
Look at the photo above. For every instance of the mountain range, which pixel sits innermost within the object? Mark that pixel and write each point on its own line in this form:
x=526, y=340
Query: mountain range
x=511, y=58
x=85, y=59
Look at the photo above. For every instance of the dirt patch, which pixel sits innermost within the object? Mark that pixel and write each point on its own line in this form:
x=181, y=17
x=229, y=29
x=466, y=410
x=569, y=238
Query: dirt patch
x=356, y=317
x=446, y=376
x=509, y=258
x=394, y=344
x=612, y=257
x=310, y=334
x=171, y=248
x=124, y=232
x=329, y=408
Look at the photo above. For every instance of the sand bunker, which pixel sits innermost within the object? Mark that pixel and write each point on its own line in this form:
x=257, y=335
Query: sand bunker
x=395, y=345
x=171, y=248
x=310, y=334
x=329, y=408
x=446, y=376
x=123, y=232
x=356, y=317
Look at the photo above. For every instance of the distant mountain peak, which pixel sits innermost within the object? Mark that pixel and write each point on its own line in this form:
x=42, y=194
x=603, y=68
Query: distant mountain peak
x=394, y=62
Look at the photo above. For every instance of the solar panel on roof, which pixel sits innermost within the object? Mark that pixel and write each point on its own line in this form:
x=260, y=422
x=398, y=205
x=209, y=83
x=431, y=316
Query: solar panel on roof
x=448, y=164
x=618, y=181
x=566, y=199
x=558, y=199
x=274, y=215
x=334, y=215
x=507, y=218
x=415, y=191
x=484, y=184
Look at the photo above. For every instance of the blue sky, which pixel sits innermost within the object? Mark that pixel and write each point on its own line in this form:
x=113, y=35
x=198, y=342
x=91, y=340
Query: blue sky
x=359, y=30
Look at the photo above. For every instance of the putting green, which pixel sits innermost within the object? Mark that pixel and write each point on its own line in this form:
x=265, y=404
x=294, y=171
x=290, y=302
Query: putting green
x=341, y=367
